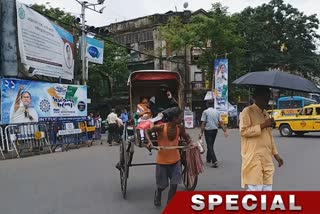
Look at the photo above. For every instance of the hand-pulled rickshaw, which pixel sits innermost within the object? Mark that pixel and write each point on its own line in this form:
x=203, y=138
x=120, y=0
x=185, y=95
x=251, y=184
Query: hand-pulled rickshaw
x=145, y=84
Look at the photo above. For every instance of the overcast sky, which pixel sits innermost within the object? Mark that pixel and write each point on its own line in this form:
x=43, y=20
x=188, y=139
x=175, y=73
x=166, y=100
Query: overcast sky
x=120, y=10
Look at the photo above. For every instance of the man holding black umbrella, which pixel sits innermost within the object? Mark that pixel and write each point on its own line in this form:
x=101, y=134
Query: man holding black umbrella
x=257, y=144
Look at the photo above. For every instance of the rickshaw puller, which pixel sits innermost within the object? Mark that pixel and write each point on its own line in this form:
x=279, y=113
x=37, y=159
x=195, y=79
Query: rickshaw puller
x=168, y=161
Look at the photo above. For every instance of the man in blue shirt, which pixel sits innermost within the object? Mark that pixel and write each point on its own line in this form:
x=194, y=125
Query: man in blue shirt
x=210, y=122
x=125, y=118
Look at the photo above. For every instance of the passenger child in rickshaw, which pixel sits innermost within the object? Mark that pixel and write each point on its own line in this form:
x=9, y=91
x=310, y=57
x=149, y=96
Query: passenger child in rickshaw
x=143, y=113
x=168, y=161
x=159, y=105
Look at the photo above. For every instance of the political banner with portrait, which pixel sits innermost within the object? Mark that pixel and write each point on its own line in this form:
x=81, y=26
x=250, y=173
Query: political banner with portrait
x=45, y=48
x=221, y=86
x=24, y=101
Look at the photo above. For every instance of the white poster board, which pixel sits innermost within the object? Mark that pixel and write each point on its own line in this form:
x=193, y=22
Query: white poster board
x=45, y=48
x=189, y=119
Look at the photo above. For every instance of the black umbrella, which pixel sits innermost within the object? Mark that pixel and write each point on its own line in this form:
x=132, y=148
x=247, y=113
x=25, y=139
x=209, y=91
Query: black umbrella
x=278, y=80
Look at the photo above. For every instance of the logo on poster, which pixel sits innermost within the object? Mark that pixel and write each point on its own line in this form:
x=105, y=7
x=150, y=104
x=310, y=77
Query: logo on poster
x=94, y=52
x=81, y=106
x=22, y=13
x=45, y=105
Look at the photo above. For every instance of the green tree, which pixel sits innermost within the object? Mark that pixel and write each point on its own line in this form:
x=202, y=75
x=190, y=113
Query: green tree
x=112, y=74
x=215, y=34
x=280, y=36
x=57, y=15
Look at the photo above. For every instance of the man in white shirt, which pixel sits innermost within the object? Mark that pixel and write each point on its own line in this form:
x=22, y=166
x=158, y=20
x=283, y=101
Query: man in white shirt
x=112, y=120
x=21, y=111
x=210, y=124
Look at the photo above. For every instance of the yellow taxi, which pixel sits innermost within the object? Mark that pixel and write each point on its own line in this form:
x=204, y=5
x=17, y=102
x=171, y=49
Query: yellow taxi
x=307, y=120
x=275, y=113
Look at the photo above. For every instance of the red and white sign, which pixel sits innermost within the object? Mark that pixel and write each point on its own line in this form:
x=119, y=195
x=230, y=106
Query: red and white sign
x=188, y=120
x=244, y=202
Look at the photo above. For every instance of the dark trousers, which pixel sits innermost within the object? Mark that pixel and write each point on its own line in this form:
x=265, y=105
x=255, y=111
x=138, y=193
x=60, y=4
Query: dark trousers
x=113, y=133
x=210, y=136
x=90, y=134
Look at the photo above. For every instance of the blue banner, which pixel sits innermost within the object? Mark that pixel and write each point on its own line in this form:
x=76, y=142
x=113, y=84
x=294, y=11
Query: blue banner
x=94, y=50
x=221, y=87
x=221, y=84
x=24, y=101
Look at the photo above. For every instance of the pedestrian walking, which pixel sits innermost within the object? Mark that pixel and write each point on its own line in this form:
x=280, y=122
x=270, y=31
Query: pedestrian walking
x=257, y=144
x=119, y=130
x=112, y=119
x=98, y=124
x=210, y=122
x=125, y=118
x=90, y=122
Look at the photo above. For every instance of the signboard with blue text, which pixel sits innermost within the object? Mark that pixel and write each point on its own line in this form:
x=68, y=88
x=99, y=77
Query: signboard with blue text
x=24, y=101
x=94, y=50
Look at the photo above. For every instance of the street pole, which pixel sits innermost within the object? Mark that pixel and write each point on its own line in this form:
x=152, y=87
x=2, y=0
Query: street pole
x=84, y=5
x=83, y=44
x=186, y=83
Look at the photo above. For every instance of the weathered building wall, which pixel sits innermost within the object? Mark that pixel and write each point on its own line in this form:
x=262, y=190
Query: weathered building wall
x=8, y=39
x=143, y=34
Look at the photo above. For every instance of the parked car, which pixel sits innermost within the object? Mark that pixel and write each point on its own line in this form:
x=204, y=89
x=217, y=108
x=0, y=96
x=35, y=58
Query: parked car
x=307, y=120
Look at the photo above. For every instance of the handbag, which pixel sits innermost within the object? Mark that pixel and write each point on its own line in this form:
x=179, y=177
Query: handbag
x=200, y=145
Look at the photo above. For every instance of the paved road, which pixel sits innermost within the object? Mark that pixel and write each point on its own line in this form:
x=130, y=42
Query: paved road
x=85, y=180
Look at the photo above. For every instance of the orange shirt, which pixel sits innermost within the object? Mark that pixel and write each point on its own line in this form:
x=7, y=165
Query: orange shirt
x=142, y=107
x=168, y=156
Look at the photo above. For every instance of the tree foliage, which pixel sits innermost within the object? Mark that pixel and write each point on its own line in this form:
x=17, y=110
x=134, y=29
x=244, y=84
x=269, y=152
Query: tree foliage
x=215, y=34
x=112, y=74
x=280, y=36
x=271, y=36
x=57, y=15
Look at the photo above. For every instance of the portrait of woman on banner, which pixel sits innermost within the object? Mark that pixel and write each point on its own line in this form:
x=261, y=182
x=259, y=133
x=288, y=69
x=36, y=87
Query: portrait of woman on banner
x=222, y=80
x=21, y=110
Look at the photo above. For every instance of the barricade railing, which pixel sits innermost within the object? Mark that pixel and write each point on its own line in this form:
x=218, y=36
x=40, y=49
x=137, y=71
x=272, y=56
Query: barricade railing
x=31, y=136
x=65, y=133
x=2, y=146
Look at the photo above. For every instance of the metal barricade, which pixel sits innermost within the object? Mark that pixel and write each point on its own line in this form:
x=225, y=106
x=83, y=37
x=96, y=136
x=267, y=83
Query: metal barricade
x=65, y=133
x=26, y=137
x=2, y=146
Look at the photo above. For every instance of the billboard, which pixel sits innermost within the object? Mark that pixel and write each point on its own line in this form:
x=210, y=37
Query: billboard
x=94, y=50
x=45, y=48
x=24, y=101
x=221, y=87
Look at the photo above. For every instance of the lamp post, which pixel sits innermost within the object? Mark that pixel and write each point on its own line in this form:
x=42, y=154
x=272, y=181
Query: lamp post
x=84, y=5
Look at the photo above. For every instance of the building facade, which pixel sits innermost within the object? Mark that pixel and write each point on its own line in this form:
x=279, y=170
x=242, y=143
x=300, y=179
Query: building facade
x=147, y=51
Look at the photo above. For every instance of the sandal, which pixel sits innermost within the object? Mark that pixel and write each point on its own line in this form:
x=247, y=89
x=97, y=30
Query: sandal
x=157, y=199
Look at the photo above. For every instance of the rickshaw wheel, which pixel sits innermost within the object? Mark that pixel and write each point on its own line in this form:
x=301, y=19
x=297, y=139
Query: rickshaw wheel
x=190, y=182
x=123, y=170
